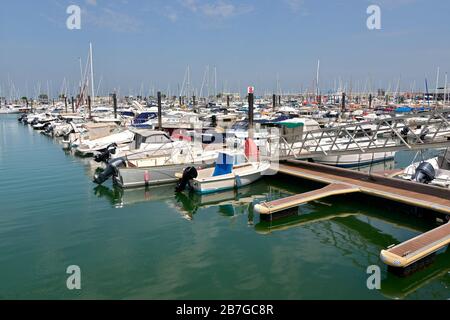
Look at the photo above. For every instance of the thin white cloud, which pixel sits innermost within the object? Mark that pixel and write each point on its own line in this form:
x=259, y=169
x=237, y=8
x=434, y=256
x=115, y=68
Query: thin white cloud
x=172, y=16
x=91, y=2
x=190, y=4
x=216, y=9
x=295, y=5
x=113, y=20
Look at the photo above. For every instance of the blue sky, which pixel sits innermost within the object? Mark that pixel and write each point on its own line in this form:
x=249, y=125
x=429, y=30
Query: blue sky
x=150, y=43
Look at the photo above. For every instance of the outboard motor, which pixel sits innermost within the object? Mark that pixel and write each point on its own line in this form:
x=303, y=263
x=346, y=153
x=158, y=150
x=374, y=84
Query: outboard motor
x=425, y=173
x=110, y=170
x=404, y=131
x=188, y=174
x=48, y=128
x=105, y=155
x=424, y=133
x=22, y=116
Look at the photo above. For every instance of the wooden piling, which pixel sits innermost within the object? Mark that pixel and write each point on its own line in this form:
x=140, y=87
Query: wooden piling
x=65, y=103
x=343, y=102
x=251, y=99
x=73, y=105
x=89, y=107
x=115, y=105
x=274, y=101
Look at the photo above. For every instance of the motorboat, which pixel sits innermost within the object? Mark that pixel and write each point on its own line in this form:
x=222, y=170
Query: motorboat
x=156, y=169
x=434, y=171
x=228, y=173
x=89, y=147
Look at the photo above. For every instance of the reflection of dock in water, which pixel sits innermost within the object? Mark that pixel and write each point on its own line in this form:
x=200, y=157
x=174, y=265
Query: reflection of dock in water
x=348, y=232
x=395, y=287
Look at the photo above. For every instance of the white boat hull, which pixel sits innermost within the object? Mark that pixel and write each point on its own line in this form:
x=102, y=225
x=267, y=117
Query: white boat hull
x=355, y=160
x=229, y=181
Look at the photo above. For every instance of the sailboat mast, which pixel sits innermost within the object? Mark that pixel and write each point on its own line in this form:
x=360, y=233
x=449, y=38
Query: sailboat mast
x=317, y=79
x=92, y=72
x=445, y=89
x=437, y=86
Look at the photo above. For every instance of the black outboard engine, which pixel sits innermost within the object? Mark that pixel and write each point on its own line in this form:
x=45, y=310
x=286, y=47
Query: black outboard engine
x=424, y=133
x=48, y=128
x=22, y=117
x=188, y=174
x=404, y=131
x=425, y=173
x=110, y=170
x=105, y=155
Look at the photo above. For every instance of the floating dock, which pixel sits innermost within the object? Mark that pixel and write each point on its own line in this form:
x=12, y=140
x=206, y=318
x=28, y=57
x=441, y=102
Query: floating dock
x=405, y=257
x=296, y=200
x=418, y=248
x=342, y=181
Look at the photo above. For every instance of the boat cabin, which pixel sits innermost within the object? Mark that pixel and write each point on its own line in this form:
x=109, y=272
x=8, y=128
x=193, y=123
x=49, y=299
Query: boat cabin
x=149, y=137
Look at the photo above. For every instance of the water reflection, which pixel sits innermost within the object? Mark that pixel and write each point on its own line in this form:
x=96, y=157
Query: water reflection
x=346, y=224
x=394, y=287
x=119, y=197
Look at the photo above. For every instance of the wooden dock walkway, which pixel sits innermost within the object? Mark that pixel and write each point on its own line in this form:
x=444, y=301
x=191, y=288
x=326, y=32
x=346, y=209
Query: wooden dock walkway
x=343, y=181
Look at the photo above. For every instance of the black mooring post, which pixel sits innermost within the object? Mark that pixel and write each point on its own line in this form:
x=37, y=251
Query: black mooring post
x=274, y=101
x=160, y=110
x=279, y=100
x=228, y=101
x=370, y=101
x=89, y=107
x=343, y=102
x=115, y=105
x=73, y=105
x=65, y=103
x=181, y=102
x=251, y=99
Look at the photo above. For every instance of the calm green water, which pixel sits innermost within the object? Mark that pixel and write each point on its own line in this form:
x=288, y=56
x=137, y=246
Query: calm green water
x=150, y=244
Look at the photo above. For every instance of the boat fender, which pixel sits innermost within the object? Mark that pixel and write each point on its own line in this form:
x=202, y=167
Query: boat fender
x=188, y=174
x=425, y=173
x=111, y=169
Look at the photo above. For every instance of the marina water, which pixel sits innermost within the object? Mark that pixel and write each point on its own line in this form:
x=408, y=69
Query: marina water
x=153, y=244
